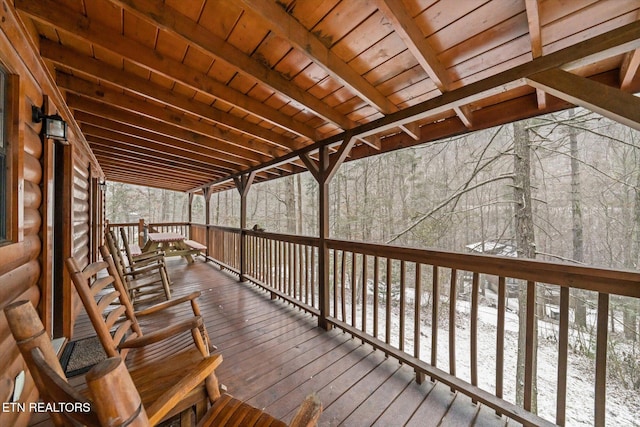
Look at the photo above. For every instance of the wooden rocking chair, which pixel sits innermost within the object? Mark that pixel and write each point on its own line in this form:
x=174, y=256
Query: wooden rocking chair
x=158, y=353
x=48, y=375
x=126, y=405
x=146, y=279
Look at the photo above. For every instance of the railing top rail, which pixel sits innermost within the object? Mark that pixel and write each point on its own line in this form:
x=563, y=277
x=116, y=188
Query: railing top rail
x=619, y=282
x=292, y=238
x=168, y=224
x=123, y=224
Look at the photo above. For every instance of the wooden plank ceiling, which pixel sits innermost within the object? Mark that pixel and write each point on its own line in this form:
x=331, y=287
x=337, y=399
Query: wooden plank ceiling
x=181, y=94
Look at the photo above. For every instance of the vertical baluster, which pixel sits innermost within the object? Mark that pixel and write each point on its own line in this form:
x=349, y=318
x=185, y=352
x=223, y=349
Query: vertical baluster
x=296, y=270
x=364, y=293
x=306, y=274
x=387, y=331
x=602, y=334
x=376, y=278
x=475, y=292
x=354, y=260
x=500, y=338
x=417, y=323
x=313, y=277
x=435, y=308
x=343, y=293
x=531, y=345
x=279, y=265
x=563, y=344
x=453, y=297
x=403, y=285
x=300, y=272
x=290, y=269
x=335, y=283
x=270, y=262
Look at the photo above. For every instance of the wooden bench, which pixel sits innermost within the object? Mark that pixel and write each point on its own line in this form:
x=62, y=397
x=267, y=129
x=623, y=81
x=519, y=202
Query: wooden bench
x=197, y=247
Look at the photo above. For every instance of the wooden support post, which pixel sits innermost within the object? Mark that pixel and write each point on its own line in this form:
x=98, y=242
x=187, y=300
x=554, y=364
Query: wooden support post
x=243, y=184
x=323, y=252
x=207, y=218
x=141, y=233
x=323, y=171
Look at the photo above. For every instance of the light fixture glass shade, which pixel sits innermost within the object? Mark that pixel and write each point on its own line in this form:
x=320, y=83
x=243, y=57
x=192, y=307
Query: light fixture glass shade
x=55, y=128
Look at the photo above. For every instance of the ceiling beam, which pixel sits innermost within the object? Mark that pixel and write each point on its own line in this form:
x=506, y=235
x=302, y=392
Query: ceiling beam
x=611, y=43
x=629, y=70
x=535, y=35
x=228, y=140
x=302, y=39
x=163, y=142
x=68, y=58
x=198, y=160
x=51, y=13
x=81, y=103
x=606, y=100
x=406, y=28
x=169, y=19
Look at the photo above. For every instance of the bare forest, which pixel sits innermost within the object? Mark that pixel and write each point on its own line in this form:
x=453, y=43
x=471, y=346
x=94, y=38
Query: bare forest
x=562, y=187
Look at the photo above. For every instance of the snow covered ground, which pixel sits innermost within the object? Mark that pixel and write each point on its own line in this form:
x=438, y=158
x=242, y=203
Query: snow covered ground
x=623, y=405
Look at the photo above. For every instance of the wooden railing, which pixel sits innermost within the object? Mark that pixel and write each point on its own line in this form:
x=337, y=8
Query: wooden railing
x=403, y=300
x=137, y=231
x=286, y=265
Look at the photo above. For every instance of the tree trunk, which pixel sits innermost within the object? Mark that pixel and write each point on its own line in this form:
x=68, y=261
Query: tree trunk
x=525, y=244
x=298, y=204
x=576, y=221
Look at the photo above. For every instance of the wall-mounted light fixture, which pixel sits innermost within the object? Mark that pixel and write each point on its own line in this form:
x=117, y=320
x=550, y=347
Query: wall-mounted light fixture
x=102, y=185
x=53, y=126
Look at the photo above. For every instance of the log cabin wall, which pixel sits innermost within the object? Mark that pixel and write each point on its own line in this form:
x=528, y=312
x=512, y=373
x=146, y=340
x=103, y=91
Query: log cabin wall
x=26, y=256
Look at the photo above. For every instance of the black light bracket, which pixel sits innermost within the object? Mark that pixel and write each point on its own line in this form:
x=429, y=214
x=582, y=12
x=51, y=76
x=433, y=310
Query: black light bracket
x=54, y=126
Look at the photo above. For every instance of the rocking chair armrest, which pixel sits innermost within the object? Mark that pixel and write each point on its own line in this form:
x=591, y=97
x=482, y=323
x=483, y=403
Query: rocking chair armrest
x=167, y=401
x=308, y=412
x=162, y=334
x=166, y=304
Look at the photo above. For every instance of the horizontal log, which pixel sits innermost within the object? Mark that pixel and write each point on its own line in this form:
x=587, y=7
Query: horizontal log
x=17, y=254
x=80, y=185
x=80, y=170
x=32, y=195
x=32, y=141
x=80, y=210
x=80, y=227
x=18, y=281
x=82, y=241
x=32, y=169
x=9, y=352
x=32, y=221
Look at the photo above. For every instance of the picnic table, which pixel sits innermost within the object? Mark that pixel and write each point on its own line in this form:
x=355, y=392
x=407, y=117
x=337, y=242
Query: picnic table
x=173, y=244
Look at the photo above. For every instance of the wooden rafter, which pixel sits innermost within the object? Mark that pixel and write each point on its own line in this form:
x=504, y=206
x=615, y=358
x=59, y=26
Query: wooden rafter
x=408, y=31
x=80, y=103
x=411, y=35
x=229, y=141
x=163, y=142
x=535, y=34
x=302, y=39
x=614, y=42
x=86, y=65
x=172, y=20
x=629, y=69
x=605, y=100
x=50, y=13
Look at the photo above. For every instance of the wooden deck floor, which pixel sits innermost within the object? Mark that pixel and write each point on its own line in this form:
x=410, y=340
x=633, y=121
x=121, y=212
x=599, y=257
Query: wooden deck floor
x=274, y=355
